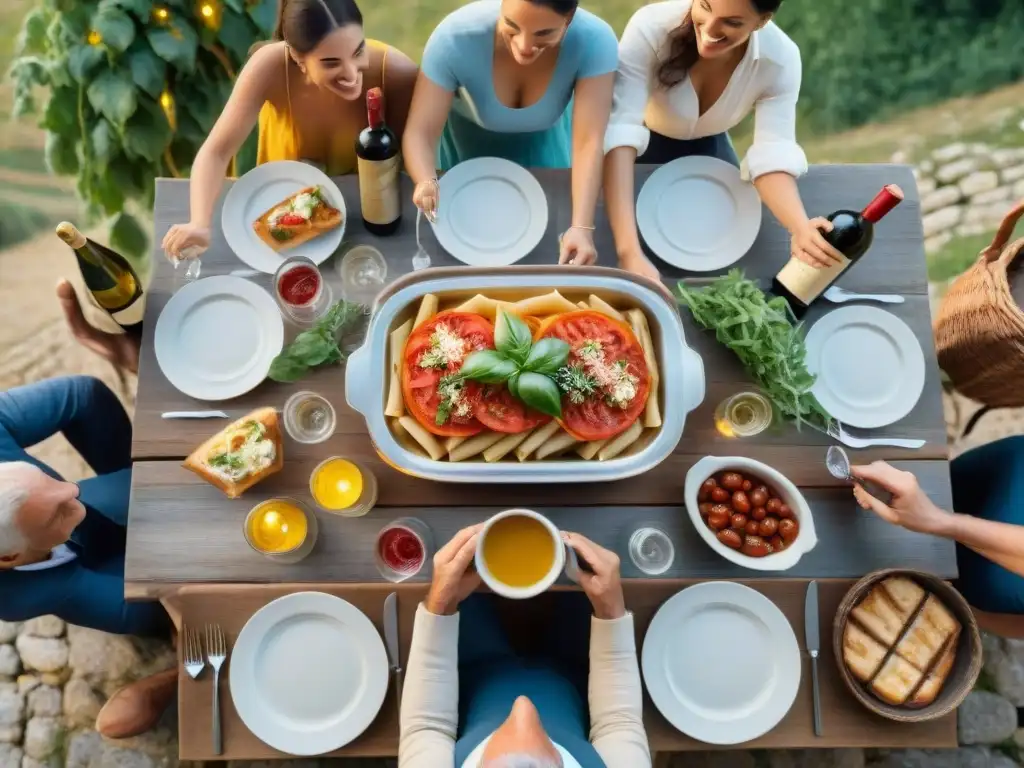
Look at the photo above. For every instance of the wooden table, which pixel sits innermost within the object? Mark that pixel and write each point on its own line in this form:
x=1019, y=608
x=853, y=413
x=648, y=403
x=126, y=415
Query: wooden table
x=183, y=531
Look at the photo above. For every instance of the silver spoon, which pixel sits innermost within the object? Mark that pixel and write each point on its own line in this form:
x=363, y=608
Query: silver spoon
x=838, y=465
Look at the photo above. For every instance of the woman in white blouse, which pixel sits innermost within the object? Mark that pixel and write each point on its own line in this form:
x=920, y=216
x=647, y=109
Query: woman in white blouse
x=689, y=71
x=471, y=702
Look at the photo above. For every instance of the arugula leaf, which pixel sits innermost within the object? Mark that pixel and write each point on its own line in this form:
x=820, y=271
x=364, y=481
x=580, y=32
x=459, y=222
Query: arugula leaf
x=540, y=393
x=512, y=337
x=762, y=333
x=487, y=366
x=547, y=356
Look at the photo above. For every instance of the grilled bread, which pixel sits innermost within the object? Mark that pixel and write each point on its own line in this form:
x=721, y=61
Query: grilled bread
x=932, y=684
x=297, y=219
x=881, y=617
x=241, y=454
x=928, y=634
x=896, y=681
x=901, y=642
x=861, y=652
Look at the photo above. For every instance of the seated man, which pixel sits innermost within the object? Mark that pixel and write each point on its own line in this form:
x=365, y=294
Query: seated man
x=62, y=544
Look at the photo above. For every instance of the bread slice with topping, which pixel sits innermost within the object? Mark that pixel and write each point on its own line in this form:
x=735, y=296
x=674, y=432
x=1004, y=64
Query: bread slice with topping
x=297, y=219
x=241, y=454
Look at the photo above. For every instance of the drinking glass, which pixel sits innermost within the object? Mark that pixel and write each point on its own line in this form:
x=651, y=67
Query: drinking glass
x=301, y=291
x=403, y=547
x=651, y=550
x=363, y=272
x=309, y=418
x=282, y=530
x=343, y=486
x=743, y=415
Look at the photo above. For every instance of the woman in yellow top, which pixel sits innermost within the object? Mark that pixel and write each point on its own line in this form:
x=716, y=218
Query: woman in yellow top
x=306, y=89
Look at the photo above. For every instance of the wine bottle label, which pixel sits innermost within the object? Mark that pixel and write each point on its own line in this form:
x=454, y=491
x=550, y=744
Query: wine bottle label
x=379, y=189
x=808, y=283
x=124, y=315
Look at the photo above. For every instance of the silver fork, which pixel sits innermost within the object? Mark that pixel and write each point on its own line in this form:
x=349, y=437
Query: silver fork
x=838, y=295
x=216, y=652
x=192, y=653
x=421, y=260
x=836, y=432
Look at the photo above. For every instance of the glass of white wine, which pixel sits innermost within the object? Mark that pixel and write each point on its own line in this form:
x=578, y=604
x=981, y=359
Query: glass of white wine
x=743, y=415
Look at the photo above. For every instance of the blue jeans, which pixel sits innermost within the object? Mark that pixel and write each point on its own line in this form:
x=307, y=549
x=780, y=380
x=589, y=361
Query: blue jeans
x=553, y=676
x=662, y=149
x=88, y=591
x=988, y=482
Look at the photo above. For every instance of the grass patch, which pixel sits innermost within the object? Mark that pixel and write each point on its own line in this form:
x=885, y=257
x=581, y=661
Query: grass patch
x=955, y=257
x=19, y=223
x=48, y=190
x=23, y=159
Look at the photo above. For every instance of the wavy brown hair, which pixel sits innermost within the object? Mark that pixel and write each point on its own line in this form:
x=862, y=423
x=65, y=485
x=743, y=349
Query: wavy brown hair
x=303, y=24
x=682, y=47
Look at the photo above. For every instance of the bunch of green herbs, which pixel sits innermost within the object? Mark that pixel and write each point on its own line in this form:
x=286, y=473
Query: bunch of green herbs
x=763, y=333
x=317, y=345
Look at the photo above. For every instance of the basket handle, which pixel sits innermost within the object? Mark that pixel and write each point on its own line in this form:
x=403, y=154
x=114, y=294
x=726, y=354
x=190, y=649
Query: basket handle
x=1004, y=233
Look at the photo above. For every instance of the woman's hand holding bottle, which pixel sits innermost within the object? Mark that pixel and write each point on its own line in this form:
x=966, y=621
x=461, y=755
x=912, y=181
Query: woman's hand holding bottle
x=810, y=246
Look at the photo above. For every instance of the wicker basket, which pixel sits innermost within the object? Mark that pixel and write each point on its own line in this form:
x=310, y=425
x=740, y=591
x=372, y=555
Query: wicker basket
x=966, y=667
x=979, y=333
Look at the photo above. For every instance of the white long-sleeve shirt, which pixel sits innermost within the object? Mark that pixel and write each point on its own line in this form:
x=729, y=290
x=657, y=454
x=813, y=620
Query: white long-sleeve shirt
x=430, y=697
x=767, y=81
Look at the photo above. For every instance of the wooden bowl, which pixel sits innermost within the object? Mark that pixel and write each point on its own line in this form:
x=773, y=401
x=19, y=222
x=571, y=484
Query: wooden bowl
x=966, y=667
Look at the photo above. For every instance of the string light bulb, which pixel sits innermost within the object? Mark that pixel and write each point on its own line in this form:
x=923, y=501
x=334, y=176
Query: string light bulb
x=167, y=105
x=209, y=12
x=94, y=38
x=161, y=14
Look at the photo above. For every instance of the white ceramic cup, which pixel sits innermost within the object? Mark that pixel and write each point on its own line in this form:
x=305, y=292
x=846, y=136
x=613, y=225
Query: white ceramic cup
x=565, y=559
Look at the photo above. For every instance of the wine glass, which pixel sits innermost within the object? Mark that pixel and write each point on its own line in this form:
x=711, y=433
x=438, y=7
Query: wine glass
x=363, y=273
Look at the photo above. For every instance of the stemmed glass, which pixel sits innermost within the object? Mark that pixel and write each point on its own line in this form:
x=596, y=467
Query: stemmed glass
x=195, y=264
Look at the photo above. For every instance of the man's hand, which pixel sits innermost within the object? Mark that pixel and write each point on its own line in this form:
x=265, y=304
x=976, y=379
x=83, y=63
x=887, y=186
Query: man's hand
x=454, y=579
x=603, y=586
x=120, y=349
x=910, y=507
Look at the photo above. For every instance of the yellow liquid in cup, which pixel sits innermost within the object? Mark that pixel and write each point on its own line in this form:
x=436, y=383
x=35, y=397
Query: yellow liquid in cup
x=519, y=551
x=338, y=484
x=277, y=526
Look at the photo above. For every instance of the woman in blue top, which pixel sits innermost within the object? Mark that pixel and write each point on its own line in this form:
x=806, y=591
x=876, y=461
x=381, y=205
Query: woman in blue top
x=527, y=80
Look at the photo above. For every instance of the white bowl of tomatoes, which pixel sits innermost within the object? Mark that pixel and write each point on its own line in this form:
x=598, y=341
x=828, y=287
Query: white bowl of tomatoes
x=749, y=513
x=592, y=382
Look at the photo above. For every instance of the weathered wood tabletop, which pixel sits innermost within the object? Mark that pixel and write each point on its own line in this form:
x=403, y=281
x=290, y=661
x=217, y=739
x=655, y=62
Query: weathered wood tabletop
x=183, y=531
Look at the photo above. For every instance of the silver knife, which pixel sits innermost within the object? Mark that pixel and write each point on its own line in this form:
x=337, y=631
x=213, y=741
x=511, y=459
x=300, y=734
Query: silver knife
x=391, y=640
x=193, y=415
x=813, y=646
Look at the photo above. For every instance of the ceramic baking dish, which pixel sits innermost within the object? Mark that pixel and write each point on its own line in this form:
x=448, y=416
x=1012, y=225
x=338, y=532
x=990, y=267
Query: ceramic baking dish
x=681, y=385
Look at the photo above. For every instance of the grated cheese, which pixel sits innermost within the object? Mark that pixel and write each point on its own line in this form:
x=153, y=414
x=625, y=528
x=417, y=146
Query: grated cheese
x=447, y=349
x=620, y=386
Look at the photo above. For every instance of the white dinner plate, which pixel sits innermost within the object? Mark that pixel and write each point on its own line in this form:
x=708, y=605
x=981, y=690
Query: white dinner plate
x=261, y=189
x=869, y=364
x=491, y=213
x=721, y=663
x=308, y=673
x=696, y=213
x=216, y=337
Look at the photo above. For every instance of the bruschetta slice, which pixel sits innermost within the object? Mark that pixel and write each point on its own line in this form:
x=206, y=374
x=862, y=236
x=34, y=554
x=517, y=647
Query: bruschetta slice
x=297, y=219
x=241, y=454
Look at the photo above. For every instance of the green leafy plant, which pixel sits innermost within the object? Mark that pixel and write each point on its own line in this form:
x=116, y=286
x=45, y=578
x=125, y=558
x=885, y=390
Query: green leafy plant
x=132, y=89
x=315, y=346
x=528, y=369
x=763, y=335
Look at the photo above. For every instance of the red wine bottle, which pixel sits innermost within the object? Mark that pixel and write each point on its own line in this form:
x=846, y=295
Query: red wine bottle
x=112, y=283
x=379, y=159
x=852, y=233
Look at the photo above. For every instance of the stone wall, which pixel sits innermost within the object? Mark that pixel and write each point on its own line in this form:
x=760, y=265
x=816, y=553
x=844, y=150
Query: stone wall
x=966, y=189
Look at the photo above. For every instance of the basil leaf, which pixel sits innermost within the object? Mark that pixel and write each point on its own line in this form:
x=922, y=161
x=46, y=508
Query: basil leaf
x=547, y=356
x=513, y=384
x=488, y=367
x=540, y=393
x=286, y=369
x=512, y=337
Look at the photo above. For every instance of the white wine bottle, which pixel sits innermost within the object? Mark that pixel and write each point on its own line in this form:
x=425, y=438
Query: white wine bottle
x=113, y=284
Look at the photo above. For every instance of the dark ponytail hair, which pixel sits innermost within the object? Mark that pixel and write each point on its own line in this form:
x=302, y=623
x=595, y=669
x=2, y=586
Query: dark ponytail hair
x=682, y=47
x=303, y=24
x=561, y=7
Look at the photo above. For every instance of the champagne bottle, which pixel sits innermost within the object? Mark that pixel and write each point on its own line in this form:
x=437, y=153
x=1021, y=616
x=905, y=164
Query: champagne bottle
x=379, y=158
x=113, y=284
x=852, y=233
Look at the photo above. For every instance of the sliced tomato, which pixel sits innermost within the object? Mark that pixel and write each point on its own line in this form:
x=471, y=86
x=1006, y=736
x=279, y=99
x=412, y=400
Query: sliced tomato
x=595, y=418
x=499, y=410
x=420, y=385
x=291, y=220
